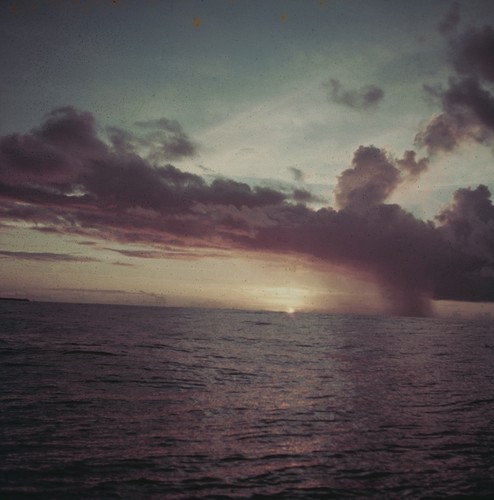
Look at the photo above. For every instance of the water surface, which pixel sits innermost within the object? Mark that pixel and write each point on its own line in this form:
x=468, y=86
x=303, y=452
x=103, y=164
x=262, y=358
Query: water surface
x=131, y=402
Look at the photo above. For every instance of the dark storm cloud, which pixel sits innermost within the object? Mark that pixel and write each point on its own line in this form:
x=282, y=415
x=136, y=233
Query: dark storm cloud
x=29, y=153
x=472, y=53
x=468, y=114
x=468, y=224
x=467, y=96
x=96, y=190
x=401, y=251
x=82, y=165
x=467, y=103
x=52, y=154
x=367, y=97
x=411, y=259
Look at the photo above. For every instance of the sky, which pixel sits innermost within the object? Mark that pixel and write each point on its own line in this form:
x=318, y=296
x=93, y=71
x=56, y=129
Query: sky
x=291, y=155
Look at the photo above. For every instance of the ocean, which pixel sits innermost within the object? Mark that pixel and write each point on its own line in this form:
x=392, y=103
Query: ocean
x=102, y=401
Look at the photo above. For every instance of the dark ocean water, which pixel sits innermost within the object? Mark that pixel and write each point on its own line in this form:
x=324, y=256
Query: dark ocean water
x=138, y=403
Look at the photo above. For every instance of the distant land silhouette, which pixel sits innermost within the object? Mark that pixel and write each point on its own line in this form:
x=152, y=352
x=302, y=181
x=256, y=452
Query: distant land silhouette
x=14, y=299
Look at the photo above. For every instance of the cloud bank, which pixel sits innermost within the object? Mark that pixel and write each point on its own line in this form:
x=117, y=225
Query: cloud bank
x=64, y=178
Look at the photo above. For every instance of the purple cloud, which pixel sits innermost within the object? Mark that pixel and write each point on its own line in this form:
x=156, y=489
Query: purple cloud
x=374, y=176
x=467, y=103
x=412, y=166
x=369, y=182
x=472, y=53
x=95, y=190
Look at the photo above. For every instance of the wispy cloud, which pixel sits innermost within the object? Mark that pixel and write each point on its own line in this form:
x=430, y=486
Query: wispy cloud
x=163, y=140
x=365, y=98
x=46, y=256
x=172, y=253
x=297, y=173
x=450, y=20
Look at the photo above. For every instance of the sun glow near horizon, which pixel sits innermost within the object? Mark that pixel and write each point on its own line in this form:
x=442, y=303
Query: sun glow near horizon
x=288, y=299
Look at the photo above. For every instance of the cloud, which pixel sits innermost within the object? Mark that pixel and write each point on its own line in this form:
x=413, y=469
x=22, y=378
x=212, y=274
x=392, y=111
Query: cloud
x=411, y=166
x=46, y=256
x=450, y=20
x=442, y=133
x=206, y=169
x=298, y=175
x=468, y=224
x=413, y=260
x=468, y=115
x=141, y=254
x=167, y=140
x=472, y=52
x=93, y=189
x=52, y=154
x=94, y=290
x=467, y=103
x=169, y=253
x=374, y=176
x=163, y=140
x=367, y=97
x=305, y=196
x=90, y=173
x=370, y=181
x=400, y=251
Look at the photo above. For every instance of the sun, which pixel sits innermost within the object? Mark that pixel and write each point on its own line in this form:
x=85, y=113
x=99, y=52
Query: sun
x=284, y=299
